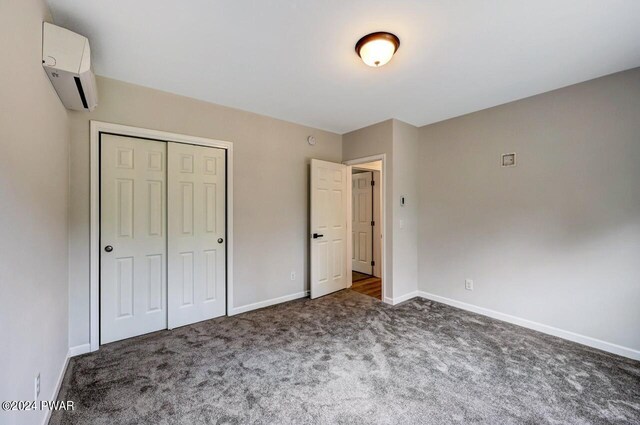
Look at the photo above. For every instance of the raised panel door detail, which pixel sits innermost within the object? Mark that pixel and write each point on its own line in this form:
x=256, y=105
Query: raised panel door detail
x=124, y=158
x=338, y=259
x=353, y=246
x=133, y=222
x=210, y=207
x=124, y=287
x=323, y=215
x=155, y=271
x=210, y=165
x=337, y=209
x=211, y=274
x=155, y=161
x=353, y=207
x=322, y=174
x=362, y=242
x=155, y=208
x=187, y=208
x=124, y=204
x=187, y=278
x=186, y=163
x=323, y=261
x=363, y=208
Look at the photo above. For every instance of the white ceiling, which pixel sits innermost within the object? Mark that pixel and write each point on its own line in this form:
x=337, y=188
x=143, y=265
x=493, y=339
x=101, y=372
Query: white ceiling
x=295, y=59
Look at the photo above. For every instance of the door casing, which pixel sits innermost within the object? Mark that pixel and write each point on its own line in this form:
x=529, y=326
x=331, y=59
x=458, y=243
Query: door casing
x=384, y=270
x=96, y=129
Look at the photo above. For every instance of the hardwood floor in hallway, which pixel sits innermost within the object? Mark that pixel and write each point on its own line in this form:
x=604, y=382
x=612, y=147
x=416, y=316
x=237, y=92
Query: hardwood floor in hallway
x=368, y=285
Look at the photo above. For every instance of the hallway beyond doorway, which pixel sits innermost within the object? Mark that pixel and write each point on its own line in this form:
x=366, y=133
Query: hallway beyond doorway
x=367, y=284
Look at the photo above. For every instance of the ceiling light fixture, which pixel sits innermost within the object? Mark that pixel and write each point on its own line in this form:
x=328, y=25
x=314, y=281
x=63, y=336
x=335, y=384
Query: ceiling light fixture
x=377, y=48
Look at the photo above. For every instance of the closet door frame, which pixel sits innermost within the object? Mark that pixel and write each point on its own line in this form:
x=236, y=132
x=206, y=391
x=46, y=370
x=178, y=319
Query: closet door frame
x=96, y=129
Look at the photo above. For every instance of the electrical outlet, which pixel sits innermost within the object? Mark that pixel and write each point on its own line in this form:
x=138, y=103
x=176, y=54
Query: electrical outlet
x=468, y=284
x=37, y=387
x=293, y=275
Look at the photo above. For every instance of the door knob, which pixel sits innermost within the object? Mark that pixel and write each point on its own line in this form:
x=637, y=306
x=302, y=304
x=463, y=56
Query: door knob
x=317, y=235
x=108, y=248
x=220, y=240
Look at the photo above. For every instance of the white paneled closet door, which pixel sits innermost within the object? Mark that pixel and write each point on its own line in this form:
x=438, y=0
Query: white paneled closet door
x=196, y=233
x=133, y=237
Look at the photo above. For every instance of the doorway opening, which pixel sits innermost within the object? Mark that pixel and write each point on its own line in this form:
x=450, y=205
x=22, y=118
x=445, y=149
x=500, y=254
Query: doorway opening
x=366, y=228
x=332, y=232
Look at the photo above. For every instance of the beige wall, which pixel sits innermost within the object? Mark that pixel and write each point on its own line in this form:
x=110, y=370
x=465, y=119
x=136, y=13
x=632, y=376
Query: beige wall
x=556, y=239
x=34, y=141
x=399, y=141
x=271, y=168
x=374, y=140
x=405, y=218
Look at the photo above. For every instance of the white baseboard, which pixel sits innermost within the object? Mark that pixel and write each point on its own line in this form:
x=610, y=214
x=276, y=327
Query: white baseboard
x=79, y=349
x=56, y=390
x=267, y=303
x=401, y=298
x=550, y=330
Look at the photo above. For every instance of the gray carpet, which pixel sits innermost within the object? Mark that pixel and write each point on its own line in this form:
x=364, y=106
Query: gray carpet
x=349, y=359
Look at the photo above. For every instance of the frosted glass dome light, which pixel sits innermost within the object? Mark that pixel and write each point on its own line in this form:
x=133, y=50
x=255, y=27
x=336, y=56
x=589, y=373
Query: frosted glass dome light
x=376, y=49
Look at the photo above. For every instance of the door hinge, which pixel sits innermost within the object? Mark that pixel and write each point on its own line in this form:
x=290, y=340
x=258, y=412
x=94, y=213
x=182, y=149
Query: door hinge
x=373, y=183
x=373, y=263
x=373, y=223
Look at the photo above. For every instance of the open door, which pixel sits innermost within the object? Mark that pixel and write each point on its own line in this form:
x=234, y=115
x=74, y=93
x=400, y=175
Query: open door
x=328, y=227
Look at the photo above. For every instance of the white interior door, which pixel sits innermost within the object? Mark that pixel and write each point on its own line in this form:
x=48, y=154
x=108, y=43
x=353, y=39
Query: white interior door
x=362, y=222
x=328, y=227
x=133, y=238
x=197, y=232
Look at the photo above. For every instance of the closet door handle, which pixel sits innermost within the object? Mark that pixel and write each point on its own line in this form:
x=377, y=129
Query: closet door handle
x=108, y=248
x=317, y=235
x=220, y=240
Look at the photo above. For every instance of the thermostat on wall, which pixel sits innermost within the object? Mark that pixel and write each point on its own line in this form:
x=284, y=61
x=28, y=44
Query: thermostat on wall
x=311, y=140
x=509, y=159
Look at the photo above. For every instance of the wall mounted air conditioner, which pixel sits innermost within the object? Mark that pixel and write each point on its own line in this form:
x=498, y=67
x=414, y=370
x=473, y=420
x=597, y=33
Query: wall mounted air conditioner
x=66, y=58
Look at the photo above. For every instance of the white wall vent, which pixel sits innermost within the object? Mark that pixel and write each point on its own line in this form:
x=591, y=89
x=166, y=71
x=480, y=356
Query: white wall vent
x=509, y=159
x=66, y=59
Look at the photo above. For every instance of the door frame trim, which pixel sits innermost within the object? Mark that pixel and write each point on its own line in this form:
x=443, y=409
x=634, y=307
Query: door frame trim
x=98, y=127
x=384, y=270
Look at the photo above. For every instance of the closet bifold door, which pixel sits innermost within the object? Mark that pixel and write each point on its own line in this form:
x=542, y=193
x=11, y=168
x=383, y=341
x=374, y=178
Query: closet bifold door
x=133, y=238
x=196, y=247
